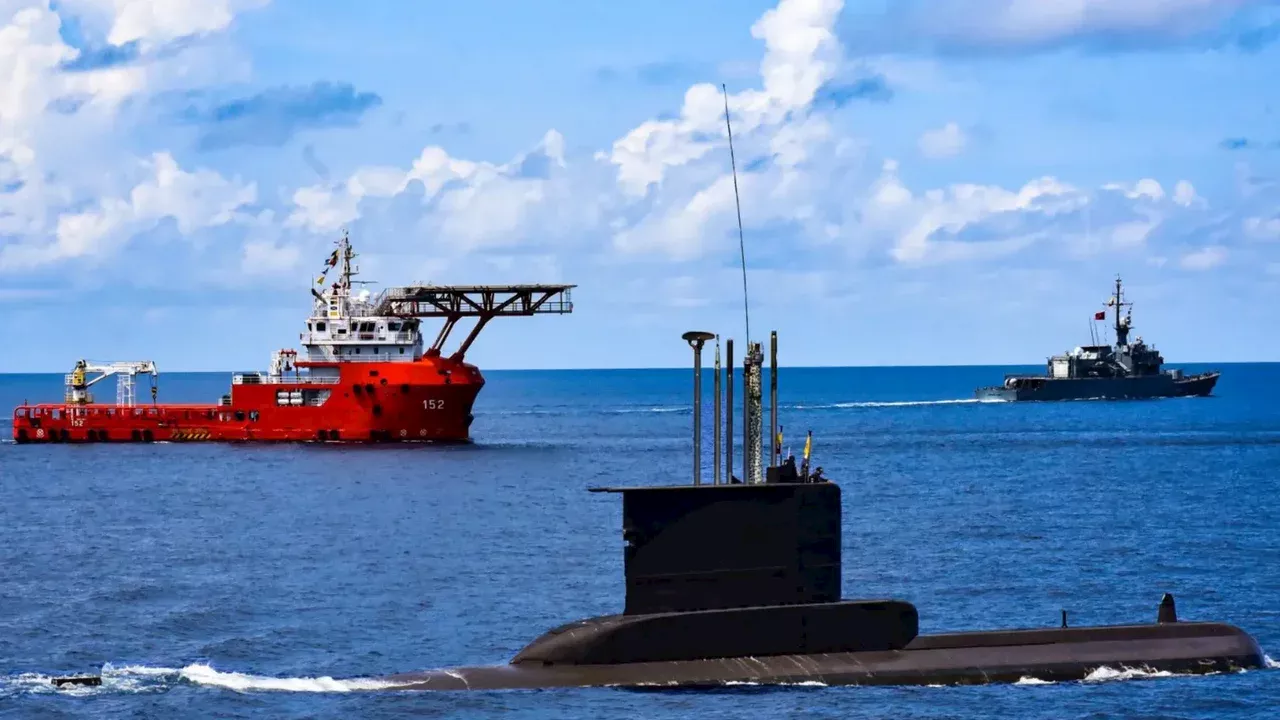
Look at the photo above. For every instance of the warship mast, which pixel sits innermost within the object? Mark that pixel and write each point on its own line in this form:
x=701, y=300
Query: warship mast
x=1122, y=328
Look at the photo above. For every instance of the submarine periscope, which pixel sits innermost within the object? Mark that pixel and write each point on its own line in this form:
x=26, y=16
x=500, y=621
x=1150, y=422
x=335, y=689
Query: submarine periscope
x=740, y=582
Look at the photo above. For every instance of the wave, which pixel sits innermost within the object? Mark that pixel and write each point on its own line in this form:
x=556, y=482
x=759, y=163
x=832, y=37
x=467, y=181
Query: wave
x=241, y=682
x=687, y=409
x=1109, y=674
x=133, y=679
x=659, y=409
x=897, y=403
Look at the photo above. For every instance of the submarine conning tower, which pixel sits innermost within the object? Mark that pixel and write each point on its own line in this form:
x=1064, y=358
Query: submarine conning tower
x=731, y=569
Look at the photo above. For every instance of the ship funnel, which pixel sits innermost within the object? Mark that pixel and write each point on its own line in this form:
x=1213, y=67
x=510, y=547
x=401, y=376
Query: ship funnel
x=696, y=340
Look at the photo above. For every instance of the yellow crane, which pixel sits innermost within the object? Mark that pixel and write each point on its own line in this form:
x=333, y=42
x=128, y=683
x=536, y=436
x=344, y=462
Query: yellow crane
x=78, y=380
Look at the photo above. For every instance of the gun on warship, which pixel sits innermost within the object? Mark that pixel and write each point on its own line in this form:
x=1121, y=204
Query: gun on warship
x=1105, y=372
x=739, y=582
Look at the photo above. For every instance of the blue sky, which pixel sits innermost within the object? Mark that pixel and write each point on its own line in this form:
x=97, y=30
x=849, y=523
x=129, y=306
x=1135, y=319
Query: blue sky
x=923, y=181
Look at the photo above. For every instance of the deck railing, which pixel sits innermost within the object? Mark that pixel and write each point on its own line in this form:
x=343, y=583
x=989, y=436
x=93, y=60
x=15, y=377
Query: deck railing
x=255, y=379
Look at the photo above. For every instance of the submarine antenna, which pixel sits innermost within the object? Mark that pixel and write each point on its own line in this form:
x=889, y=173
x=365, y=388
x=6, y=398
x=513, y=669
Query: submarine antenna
x=696, y=340
x=774, y=447
x=742, y=245
x=728, y=411
x=716, y=426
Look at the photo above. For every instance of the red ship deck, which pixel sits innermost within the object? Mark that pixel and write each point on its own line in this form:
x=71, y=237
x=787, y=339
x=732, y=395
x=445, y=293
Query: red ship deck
x=427, y=400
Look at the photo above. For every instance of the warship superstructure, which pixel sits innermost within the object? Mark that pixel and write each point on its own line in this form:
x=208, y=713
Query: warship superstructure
x=1126, y=370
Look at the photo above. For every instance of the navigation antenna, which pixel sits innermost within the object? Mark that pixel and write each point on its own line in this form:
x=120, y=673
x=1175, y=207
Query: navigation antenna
x=742, y=246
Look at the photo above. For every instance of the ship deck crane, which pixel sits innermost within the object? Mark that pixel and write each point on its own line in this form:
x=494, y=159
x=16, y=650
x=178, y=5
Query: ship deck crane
x=78, y=380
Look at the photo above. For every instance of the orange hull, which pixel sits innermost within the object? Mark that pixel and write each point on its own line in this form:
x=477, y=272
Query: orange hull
x=426, y=400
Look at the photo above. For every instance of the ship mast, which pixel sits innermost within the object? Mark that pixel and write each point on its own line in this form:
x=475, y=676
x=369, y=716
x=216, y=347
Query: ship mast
x=1122, y=328
x=344, y=246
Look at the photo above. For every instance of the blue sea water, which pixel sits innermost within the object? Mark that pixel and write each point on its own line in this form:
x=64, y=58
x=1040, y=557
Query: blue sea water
x=240, y=581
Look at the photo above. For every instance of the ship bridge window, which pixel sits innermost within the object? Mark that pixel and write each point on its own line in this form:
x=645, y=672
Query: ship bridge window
x=55, y=414
x=393, y=326
x=22, y=412
x=320, y=326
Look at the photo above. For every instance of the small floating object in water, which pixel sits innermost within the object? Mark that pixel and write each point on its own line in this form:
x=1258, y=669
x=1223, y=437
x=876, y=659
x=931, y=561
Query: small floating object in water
x=86, y=680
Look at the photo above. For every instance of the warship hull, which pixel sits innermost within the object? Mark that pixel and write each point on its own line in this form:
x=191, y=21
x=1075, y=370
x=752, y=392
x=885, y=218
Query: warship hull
x=1066, y=654
x=1119, y=388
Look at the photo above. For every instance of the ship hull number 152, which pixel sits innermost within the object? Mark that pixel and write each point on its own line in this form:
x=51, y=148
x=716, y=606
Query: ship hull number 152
x=433, y=404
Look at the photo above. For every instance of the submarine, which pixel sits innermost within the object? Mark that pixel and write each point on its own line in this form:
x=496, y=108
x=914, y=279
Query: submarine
x=739, y=582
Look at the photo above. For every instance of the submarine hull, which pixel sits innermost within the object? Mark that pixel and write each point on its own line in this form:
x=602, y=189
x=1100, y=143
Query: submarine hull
x=1063, y=654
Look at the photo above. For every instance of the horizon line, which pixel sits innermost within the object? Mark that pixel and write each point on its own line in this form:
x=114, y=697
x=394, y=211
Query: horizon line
x=708, y=366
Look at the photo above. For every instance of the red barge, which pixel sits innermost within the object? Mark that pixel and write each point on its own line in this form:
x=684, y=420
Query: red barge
x=363, y=375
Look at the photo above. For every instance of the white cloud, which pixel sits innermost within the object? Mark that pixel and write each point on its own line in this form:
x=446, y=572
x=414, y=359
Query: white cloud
x=915, y=223
x=1259, y=228
x=801, y=53
x=462, y=205
x=269, y=258
x=671, y=195
x=156, y=22
x=1204, y=259
x=322, y=210
x=192, y=200
x=661, y=190
x=946, y=141
x=680, y=231
x=71, y=186
x=1145, y=189
x=1184, y=194
x=1040, y=23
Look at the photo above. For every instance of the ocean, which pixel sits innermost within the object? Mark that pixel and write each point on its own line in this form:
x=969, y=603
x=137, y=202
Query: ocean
x=246, y=581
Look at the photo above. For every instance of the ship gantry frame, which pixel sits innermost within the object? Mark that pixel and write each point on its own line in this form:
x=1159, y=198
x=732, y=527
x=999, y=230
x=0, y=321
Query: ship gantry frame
x=486, y=302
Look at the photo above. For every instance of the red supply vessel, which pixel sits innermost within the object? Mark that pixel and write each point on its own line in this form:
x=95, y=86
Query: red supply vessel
x=363, y=375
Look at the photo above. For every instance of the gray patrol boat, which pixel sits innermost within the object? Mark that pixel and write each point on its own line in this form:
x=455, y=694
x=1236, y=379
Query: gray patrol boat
x=1104, y=372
